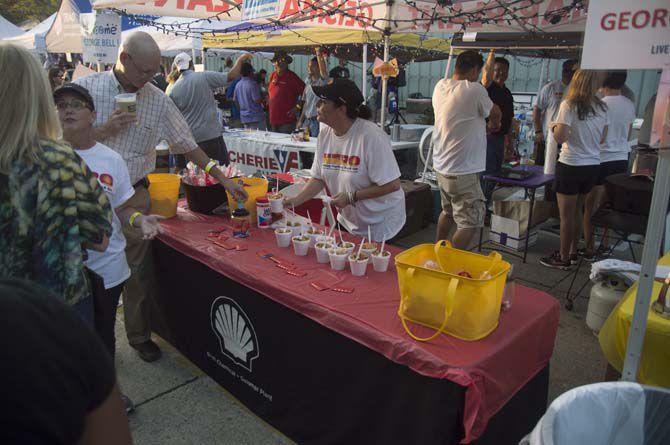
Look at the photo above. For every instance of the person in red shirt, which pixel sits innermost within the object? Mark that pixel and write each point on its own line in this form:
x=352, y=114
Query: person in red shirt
x=284, y=89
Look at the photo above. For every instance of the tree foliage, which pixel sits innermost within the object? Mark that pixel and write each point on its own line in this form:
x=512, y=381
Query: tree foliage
x=20, y=11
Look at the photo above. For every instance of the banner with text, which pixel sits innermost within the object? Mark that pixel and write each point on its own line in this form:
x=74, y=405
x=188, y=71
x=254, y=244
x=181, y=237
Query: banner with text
x=471, y=15
x=101, y=37
x=251, y=156
x=621, y=34
x=259, y=9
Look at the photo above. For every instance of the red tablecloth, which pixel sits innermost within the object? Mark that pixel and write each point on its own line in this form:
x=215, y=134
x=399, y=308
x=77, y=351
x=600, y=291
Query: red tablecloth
x=492, y=369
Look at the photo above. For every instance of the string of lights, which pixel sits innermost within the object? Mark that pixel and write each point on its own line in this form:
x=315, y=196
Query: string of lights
x=443, y=14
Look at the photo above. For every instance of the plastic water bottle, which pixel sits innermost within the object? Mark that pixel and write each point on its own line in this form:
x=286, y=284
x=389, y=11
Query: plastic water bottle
x=524, y=155
x=393, y=103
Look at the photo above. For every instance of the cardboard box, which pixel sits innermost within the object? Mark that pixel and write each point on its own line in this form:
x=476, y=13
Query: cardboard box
x=507, y=232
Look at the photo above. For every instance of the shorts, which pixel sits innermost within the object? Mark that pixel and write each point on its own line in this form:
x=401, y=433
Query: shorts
x=462, y=199
x=611, y=168
x=575, y=179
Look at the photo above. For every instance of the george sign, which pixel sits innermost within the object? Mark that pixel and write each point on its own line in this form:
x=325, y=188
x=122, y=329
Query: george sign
x=259, y=9
x=100, y=37
x=621, y=34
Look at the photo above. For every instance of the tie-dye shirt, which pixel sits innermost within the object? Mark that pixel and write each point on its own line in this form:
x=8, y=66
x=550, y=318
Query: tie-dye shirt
x=48, y=209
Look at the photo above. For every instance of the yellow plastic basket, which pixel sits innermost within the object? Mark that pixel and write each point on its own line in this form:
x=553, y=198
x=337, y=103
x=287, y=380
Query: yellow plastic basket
x=467, y=308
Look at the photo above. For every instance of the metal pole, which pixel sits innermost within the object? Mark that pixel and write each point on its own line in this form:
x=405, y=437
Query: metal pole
x=451, y=55
x=364, y=87
x=652, y=241
x=541, y=82
x=382, y=119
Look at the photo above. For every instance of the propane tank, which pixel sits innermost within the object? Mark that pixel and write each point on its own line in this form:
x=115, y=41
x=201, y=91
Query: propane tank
x=605, y=294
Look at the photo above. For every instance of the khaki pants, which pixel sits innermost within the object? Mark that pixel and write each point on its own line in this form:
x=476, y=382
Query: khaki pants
x=139, y=287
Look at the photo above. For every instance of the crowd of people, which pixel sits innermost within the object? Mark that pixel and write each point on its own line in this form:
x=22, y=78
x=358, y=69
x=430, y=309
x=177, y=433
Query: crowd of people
x=75, y=220
x=588, y=113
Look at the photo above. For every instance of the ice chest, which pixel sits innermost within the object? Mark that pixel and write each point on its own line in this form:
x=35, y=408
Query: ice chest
x=466, y=308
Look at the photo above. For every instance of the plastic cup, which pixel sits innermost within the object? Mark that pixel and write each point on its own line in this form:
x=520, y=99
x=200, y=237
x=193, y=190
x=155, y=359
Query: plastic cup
x=283, y=236
x=338, y=258
x=349, y=246
x=326, y=239
x=126, y=102
x=296, y=229
x=313, y=236
x=358, y=264
x=369, y=248
x=276, y=202
x=300, y=245
x=321, y=249
x=380, y=262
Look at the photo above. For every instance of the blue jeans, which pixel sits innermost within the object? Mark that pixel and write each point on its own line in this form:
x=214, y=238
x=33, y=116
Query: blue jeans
x=313, y=126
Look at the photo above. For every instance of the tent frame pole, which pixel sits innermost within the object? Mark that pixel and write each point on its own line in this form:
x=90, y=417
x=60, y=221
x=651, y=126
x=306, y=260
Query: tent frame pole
x=652, y=242
x=451, y=55
x=542, y=73
x=382, y=118
x=364, y=75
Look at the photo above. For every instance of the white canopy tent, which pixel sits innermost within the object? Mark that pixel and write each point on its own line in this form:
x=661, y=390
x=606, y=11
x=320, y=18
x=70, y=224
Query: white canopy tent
x=35, y=38
x=172, y=43
x=64, y=36
x=8, y=29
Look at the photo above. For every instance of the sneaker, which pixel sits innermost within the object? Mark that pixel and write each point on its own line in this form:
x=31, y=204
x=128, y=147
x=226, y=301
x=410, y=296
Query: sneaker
x=555, y=262
x=574, y=259
x=587, y=256
x=148, y=351
x=128, y=404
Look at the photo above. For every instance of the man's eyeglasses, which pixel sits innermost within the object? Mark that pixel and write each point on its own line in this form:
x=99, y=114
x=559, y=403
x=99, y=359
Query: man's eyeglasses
x=75, y=104
x=146, y=73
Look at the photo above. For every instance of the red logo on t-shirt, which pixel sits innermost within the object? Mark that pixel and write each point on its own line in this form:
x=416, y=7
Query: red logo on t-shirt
x=106, y=179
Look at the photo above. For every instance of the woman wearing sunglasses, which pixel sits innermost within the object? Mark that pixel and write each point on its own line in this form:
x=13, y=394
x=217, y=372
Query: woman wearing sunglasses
x=354, y=161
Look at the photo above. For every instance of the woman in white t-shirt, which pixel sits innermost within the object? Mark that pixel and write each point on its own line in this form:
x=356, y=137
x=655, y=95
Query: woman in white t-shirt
x=354, y=161
x=76, y=112
x=579, y=128
x=614, y=153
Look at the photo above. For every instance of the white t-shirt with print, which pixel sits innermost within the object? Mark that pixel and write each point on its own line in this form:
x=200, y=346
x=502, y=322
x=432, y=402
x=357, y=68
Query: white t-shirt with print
x=112, y=173
x=621, y=114
x=583, y=144
x=361, y=158
x=459, y=138
x=549, y=101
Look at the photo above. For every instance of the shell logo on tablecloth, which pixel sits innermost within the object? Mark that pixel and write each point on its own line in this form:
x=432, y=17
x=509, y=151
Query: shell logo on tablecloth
x=233, y=328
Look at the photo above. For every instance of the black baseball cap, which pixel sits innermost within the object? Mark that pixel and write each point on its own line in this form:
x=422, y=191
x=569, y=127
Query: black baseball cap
x=77, y=90
x=341, y=90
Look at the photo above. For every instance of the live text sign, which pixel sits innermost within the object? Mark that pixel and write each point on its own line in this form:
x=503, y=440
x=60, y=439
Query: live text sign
x=624, y=34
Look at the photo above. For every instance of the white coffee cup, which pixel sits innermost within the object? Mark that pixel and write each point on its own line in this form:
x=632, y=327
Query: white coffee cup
x=321, y=249
x=313, y=236
x=276, y=202
x=284, y=236
x=349, y=246
x=300, y=245
x=337, y=258
x=380, y=261
x=358, y=264
x=297, y=230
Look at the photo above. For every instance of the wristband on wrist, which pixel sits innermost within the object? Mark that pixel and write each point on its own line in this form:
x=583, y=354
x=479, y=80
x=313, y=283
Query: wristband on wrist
x=210, y=165
x=133, y=217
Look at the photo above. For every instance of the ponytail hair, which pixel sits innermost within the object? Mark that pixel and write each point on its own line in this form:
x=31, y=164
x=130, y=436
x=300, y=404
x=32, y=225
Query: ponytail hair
x=362, y=111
